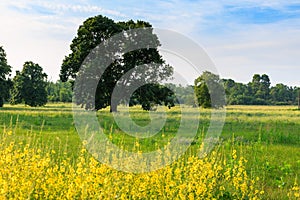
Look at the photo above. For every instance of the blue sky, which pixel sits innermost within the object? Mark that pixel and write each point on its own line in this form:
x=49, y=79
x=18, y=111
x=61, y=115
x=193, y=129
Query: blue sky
x=241, y=37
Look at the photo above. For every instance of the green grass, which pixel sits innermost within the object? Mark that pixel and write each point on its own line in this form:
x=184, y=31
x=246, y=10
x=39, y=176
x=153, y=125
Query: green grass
x=268, y=136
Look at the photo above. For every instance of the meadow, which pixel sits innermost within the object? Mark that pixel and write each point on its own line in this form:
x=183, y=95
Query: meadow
x=257, y=156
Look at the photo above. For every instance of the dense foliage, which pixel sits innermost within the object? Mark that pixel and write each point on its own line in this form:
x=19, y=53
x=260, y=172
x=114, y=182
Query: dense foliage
x=5, y=83
x=209, y=91
x=150, y=95
x=256, y=92
x=259, y=92
x=59, y=91
x=29, y=86
x=93, y=32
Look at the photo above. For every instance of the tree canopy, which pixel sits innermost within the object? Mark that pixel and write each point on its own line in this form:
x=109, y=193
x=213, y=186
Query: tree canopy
x=209, y=91
x=153, y=94
x=96, y=30
x=29, y=86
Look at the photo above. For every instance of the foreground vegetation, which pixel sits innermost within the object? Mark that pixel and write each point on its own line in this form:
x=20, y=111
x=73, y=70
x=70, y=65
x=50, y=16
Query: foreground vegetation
x=31, y=172
x=257, y=157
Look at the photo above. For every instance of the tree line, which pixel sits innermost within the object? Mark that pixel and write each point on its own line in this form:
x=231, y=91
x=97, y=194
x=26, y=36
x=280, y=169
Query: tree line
x=260, y=92
x=256, y=92
x=31, y=87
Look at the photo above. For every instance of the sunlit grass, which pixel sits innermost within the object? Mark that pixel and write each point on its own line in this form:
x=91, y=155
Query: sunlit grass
x=267, y=136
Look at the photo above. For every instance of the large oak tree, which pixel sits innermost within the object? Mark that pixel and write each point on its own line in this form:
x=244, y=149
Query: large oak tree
x=95, y=31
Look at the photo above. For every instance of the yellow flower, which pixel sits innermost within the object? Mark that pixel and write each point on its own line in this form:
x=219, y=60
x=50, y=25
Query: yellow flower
x=28, y=172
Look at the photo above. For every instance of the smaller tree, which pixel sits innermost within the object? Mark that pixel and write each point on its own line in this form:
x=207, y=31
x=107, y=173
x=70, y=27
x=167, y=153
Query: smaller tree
x=203, y=95
x=260, y=89
x=29, y=86
x=5, y=70
x=265, y=87
x=209, y=91
x=255, y=84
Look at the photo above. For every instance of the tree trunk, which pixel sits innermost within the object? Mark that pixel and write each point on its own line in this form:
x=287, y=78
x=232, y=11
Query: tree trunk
x=1, y=102
x=113, y=107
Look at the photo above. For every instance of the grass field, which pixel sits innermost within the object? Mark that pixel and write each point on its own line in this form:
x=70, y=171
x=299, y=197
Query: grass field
x=266, y=136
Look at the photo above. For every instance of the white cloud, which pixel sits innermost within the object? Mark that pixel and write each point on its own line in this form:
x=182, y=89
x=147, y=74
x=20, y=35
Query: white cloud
x=27, y=37
x=272, y=49
x=38, y=37
x=62, y=8
x=238, y=49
